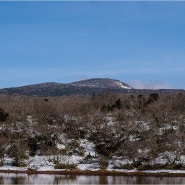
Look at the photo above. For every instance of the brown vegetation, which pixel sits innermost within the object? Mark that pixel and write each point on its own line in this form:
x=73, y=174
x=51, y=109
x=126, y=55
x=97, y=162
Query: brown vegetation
x=142, y=126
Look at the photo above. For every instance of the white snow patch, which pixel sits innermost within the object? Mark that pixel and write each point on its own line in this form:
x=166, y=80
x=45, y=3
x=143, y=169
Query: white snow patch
x=92, y=167
x=40, y=163
x=110, y=120
x=133, y=138
x=121, y=85
x=60, y=146
x=88, y=146
x=164, y=171
x=182, y=159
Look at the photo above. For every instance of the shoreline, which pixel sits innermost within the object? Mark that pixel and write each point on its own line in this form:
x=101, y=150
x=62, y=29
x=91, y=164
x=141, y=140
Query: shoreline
x=98, y=173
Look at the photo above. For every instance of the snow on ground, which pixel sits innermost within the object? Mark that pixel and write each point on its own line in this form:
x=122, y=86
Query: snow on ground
x=164, y=171
x=60, y=146
x=110, y=120
x=40, y=163
x=159, y=160
x=88, y=167
x=182, y=158
x=88, y=146
x=46, y=163
x=117, y=161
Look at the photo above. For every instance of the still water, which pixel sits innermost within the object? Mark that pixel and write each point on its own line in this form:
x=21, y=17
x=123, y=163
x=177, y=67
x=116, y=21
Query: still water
x=80, y=179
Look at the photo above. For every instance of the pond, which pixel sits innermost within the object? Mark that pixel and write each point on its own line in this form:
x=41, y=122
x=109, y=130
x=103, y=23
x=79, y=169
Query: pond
x=81, y=179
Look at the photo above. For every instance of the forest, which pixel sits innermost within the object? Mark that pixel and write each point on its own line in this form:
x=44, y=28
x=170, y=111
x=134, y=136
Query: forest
x=127, y=131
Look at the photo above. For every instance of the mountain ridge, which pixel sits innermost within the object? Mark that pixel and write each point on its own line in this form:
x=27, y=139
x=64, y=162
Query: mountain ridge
x=82, y=87
x=101, y=83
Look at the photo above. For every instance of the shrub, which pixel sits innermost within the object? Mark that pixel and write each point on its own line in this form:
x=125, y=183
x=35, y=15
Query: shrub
x=22, y=164
x=30, y=170
x=3, y=115
x=65, y=166
x=64, y=151
x=33, y=145
x=124, y=166
x=174, y=166
x=103, y=163
x=137, y=164
x=145, y=167
x=158, y=166
x=103, y=150
x=127, y=166
x=177, y=166
x=1, y=163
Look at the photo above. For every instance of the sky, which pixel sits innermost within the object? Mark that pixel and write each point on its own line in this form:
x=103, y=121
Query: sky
x=141, y=43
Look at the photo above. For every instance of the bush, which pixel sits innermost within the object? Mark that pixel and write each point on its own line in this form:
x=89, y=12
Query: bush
x=1, y=163
x=145, y=167
x=102, y=149
x=33, y=145
x=127, y=166
x=161, y=166
x=63, y=151
x=103, y=163
x=174, y=166
x=158, y=166
x=3, y=115
x=30, y=170
x=65, y=166
x=177, y=166
x=124, y=166
x=137, y=164
x=22, y=164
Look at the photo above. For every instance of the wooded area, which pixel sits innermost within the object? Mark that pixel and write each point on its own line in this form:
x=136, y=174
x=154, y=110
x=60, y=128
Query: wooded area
x=140, y=128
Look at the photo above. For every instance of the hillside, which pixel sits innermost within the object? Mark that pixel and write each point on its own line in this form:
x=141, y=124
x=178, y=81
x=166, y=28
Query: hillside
x=109, y=131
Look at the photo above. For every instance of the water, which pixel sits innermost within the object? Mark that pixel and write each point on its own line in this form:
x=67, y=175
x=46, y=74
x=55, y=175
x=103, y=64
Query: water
x=81, y=179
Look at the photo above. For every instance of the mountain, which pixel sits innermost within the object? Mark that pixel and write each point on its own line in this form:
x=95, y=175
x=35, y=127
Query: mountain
x=101, y=83
x=84, y=87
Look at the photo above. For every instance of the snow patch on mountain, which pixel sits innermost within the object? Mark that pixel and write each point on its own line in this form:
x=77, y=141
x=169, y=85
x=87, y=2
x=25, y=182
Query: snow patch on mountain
x=120, y=84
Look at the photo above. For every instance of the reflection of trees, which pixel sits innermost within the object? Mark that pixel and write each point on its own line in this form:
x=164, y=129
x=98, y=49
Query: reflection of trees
x=12, y=179
x=103, y=180
x=65, y=179
x=81, y=179
x=163, y=180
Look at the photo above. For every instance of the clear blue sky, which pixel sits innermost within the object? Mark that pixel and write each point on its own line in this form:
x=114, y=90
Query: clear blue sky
x=141, y=43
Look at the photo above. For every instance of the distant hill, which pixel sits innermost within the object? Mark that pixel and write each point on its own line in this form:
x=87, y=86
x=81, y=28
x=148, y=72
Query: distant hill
x=84, y=87
x=105, y=83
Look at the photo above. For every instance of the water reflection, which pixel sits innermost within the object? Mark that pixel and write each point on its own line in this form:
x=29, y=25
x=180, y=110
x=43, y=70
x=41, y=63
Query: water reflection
x=70, y=179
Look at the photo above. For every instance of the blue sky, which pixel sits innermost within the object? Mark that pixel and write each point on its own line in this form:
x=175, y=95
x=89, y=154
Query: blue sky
x=141, y=43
